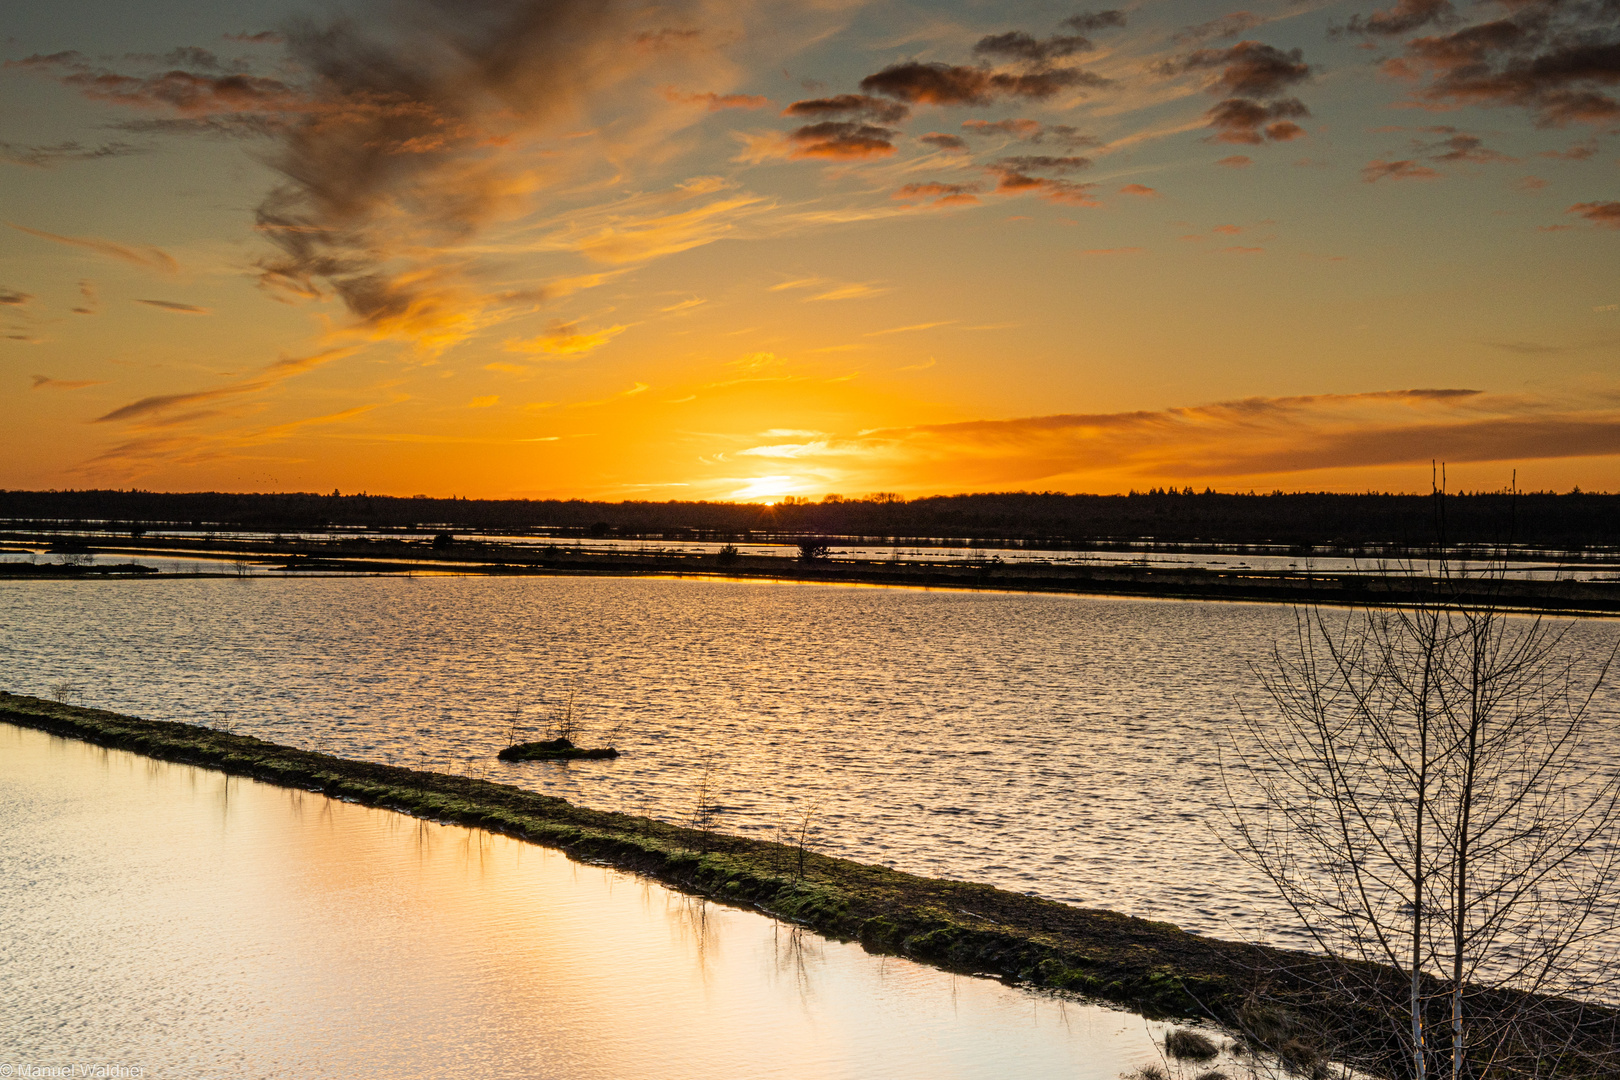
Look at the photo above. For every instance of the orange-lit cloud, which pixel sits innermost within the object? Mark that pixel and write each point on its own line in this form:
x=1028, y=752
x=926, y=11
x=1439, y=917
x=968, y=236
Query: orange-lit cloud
x=148, y=408
x=717, y=102
x=1219, y=443
x=567, y=340
x=1605, y=214
x=934, y=193
x=1405, y=169
x=1554, y=59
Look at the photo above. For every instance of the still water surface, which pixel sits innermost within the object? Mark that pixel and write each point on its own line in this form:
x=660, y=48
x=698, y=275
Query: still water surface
x=1061, y=745
x=159, y=916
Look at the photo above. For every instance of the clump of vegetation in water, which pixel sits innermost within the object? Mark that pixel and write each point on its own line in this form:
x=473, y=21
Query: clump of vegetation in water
x=563, y=729
x=1190, y=1045
x=554, y=750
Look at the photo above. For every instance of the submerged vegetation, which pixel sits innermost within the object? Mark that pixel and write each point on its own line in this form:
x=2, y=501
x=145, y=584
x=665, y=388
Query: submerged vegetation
x=1281, y=1000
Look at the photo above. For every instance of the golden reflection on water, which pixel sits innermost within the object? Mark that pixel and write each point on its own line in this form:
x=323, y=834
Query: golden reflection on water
x=201, y=925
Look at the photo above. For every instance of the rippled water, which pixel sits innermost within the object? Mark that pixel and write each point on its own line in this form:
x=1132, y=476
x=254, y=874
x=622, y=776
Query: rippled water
x=179, y=921
x=1060, y=745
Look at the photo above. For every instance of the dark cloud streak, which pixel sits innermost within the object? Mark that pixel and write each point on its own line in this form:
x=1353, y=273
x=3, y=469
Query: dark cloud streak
x=918, y=83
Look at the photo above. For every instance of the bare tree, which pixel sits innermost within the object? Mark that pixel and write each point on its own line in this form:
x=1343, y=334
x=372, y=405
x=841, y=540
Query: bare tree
x=1424, y=795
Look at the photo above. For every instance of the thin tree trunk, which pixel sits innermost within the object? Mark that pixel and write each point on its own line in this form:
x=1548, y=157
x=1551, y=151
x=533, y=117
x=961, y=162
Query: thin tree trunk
x=1459, y=897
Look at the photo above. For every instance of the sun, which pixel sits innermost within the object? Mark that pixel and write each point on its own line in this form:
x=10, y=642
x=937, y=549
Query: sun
x=769, y=489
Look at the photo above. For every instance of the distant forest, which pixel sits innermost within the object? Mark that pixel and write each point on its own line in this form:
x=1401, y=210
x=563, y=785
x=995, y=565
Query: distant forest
x=1565, y=521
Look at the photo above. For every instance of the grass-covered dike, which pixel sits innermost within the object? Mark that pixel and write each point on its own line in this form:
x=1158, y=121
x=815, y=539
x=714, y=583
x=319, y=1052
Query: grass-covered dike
x=1273, y=996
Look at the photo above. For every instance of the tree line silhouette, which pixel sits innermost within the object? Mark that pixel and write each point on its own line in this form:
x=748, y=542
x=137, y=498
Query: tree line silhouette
x=1569, y=521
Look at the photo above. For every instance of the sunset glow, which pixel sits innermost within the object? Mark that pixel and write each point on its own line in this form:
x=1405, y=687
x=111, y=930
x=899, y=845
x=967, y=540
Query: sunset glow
x=754, y=250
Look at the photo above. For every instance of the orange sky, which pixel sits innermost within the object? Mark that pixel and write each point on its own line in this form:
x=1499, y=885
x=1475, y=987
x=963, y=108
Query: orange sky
x=745, y=250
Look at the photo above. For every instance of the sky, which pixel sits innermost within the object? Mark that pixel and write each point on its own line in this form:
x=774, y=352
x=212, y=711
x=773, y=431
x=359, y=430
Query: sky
x=753, y=249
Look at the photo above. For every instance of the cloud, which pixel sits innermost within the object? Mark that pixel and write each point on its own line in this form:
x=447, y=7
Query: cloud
x=1403, y=18
x=158, y=403
x=716, y=102
x=1249, y=69
x=1017, y=45
x=1581, y=151
x=43, y=157
x=151, y=409
x=1013, y=182
x=13, y=298
x=1089, y=22
x=1604, y=214
x=850, y=106
x=1043, y=163
x=853, y=291
x=951, y=144
x=934, y=193
x=843, y=140
x=149, y=258
x=262, y=37
x=1236, y=161
x=185, y=92
x=897, y=330
x=45, y=382
x=401, y=144
x=1227, y=26
x=918, y=83
x=566, y=339
x=1220, y=442
x=635, y=231
x=1554, y=58
x=1240, y=120
x=484, y=402
x=1139, y=189
x=1397, y=170
x=1018, y=129
x=170, y=305
x=1459, y=146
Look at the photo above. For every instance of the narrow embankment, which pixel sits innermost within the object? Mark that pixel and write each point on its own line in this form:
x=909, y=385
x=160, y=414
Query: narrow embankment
x=1275, y=996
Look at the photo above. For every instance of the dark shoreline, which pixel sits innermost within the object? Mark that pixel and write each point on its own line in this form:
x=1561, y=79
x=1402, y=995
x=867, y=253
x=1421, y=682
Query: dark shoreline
x=1152, y=967
x=388, y=557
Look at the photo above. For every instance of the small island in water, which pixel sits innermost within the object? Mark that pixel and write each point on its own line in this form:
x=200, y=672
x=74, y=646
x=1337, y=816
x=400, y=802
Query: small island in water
x=554, y=750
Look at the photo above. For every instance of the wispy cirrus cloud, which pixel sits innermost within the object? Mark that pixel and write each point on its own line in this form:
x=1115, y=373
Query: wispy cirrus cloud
x=45, y=382
x=148, y=409
x=175, y=306
x=47, y=156
x=566, y=339
x=144, y=256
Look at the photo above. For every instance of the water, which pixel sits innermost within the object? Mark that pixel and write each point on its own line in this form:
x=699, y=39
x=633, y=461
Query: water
x=1059, y=745
x=1547, y=566
x=178, y=921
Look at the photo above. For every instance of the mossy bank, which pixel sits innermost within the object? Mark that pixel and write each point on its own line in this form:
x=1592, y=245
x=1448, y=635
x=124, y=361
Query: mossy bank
x=1152, y=967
